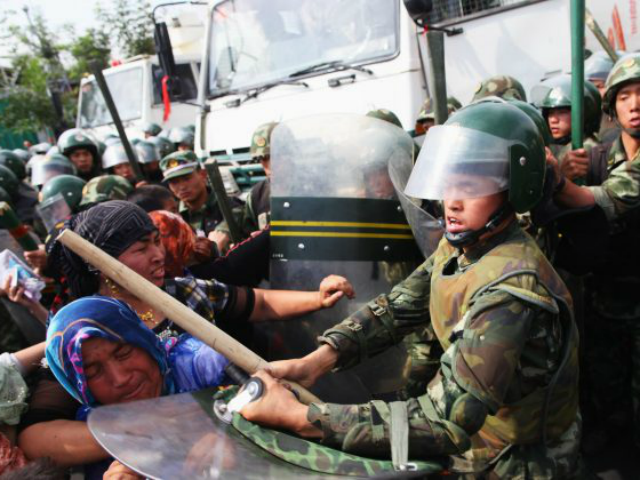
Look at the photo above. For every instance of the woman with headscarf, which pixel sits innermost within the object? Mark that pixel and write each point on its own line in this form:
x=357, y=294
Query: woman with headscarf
x=126, y=232
x=103, y=354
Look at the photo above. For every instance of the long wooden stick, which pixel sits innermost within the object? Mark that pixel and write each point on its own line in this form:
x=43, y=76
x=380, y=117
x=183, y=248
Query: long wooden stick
x=172, y=308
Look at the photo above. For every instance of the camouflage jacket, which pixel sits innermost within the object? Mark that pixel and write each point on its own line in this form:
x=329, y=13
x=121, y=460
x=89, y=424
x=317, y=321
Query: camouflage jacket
x=209, y=217
x=619, y=194
x=503, y=318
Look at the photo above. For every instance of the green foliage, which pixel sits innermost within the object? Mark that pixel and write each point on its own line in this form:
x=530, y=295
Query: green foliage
x=92, y=46
x=131, y=24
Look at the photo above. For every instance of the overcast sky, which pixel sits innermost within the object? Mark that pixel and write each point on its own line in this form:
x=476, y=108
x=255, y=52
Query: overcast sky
x=79, y=13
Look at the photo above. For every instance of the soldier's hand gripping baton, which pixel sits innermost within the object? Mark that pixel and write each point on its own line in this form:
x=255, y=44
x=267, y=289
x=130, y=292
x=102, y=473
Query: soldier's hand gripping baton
x=172, y=308
x=113, y=110
x=18, y=230
x=215, y=178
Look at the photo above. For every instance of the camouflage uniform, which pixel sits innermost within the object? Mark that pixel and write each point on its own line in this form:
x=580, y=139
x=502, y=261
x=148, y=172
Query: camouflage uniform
x=503, y=317
x=501, y=86
x=256, y=213
x=613, y=348
x=208, y=217
x=104, y=188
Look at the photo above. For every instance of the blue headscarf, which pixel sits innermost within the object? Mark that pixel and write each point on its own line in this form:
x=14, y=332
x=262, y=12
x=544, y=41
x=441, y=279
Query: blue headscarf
x=101, y=317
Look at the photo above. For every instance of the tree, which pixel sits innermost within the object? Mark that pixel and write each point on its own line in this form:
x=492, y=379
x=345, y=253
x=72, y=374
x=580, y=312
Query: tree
x=130, y=22
x=93, y=46
x=35, y=94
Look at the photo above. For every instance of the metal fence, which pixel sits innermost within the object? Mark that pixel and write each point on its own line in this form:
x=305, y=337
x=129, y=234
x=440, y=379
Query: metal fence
x=449, y=11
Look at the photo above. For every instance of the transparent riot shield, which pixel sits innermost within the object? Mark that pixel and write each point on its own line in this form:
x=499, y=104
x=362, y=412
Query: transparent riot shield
x=179, y=436
x=54, y=210
x=421, y=214
x=334, y=211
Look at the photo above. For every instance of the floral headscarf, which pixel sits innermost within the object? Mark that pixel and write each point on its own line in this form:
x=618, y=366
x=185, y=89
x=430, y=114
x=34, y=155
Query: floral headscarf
x=178, y=240
x=98, y=317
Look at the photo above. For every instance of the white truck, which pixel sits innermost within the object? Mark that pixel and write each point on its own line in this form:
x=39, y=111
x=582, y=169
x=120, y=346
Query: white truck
x=266, y=61
x=137, y=90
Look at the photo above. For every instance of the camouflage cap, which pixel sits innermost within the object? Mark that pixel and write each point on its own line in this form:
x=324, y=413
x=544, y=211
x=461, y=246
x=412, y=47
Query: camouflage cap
x=178, y=164
x=104, y=188
x=427, y=113
x=386, y=115
x=501, y=86
x=261, y=140
x=625, y=70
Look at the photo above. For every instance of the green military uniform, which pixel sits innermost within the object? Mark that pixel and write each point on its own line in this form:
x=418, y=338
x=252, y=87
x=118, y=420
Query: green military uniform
x=208, y=216
x=505, y=398
x=613, y=347
x=505, y=331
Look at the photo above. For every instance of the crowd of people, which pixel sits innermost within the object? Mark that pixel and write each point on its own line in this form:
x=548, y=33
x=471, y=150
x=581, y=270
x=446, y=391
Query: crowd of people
x=523, y=347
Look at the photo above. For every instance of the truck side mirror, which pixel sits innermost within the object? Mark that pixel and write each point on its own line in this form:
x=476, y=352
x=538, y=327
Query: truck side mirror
x=418, y=10
x=165, y=51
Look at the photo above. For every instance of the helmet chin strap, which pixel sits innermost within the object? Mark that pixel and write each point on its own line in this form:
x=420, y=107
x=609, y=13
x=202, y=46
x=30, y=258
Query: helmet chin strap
x=469, y=237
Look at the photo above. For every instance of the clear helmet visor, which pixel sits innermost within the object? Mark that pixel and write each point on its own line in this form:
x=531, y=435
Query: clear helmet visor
x=456, y=163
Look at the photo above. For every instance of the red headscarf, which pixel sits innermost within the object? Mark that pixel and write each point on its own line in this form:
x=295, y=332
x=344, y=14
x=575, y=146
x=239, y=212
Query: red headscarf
x=178, y=240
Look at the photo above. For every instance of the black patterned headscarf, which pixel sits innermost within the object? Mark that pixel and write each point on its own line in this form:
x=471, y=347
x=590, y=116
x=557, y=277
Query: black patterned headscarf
x=111, y=226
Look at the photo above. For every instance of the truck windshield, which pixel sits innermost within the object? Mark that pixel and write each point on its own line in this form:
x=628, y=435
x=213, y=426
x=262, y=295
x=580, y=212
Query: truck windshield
x=126, y=90
x=254, y=42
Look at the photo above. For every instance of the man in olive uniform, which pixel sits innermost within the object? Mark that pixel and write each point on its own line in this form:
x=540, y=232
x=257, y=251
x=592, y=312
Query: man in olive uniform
x=427, y=118
x=614, y=187
x=553, y=98
x=256, y=214
x=596, y=70
x=82, y=151
x=502, y=86
x=505, y=400
x=198, y=204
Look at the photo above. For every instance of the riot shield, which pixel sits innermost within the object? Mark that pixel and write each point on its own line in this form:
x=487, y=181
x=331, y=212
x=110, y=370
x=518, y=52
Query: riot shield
x=421, y=214
x=179, y=436
x=54, y=210
x=334, y=211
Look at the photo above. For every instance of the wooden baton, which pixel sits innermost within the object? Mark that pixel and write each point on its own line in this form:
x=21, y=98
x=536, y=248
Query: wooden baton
x=173, y=309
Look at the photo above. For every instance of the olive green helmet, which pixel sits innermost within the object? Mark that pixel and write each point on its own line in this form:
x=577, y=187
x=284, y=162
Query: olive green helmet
x=105, y=188
x=9, y=181
x=492, y=142
x=385, y=115
x=151, y=128
x=502, y=86
x=626, y=70
x=75, y=139
x=69, y=186
x=13, y=163
x=555, y=93
x=536, y=115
